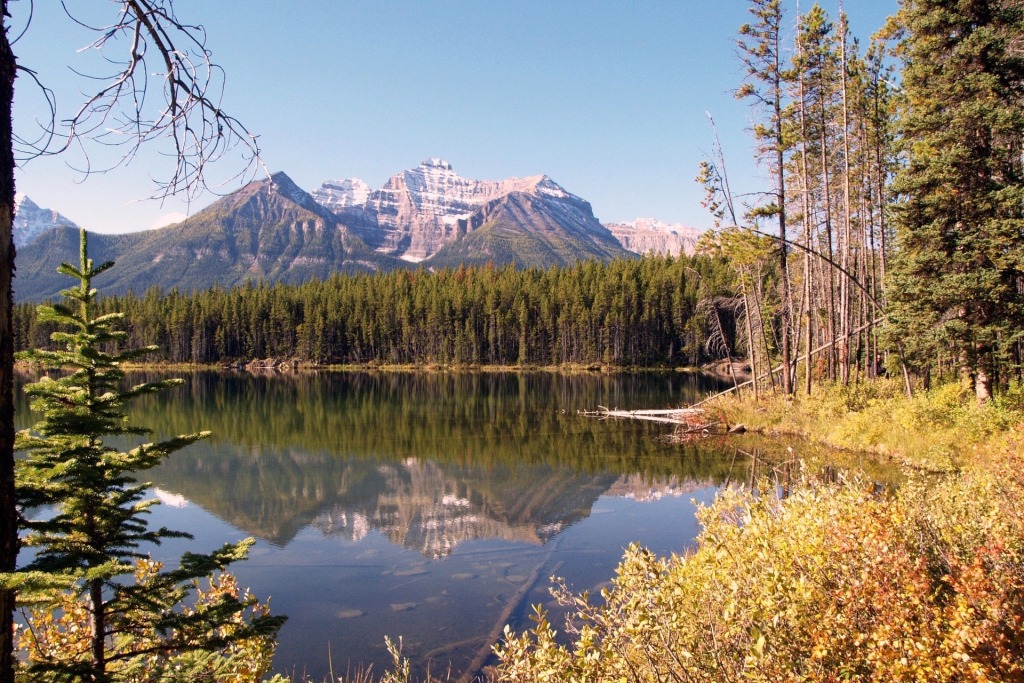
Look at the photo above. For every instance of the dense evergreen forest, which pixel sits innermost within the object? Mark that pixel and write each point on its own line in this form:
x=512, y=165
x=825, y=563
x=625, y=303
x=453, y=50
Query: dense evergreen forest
x=888, y=240
x=639, y=312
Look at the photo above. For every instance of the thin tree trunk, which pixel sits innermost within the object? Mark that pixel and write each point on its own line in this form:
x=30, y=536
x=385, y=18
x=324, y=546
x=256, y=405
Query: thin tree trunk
x=8, y=509
x=750, y=334
x=780, y=171
x=879, y=126
x=809, y=313
x=806, y=202
x=758, y=295
x=844, y=290
x=787, y=299
x=829, y=250
x=99, y=628
x=873, y=264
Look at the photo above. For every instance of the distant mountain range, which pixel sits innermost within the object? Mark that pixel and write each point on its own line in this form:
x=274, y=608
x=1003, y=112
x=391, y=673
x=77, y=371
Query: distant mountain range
x=273, y=230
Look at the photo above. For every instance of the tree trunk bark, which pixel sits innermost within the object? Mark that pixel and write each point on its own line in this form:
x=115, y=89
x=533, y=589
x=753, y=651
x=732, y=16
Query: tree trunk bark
x=8, y=511
x=751, y=351
x=983, y=375
x=844, y=290
x=99, y=629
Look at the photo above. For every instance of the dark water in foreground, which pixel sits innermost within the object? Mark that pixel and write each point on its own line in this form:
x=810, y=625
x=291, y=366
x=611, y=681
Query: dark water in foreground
x=429, y=506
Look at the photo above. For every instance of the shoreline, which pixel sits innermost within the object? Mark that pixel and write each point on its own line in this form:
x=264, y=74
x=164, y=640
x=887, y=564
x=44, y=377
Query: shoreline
x=301, y=368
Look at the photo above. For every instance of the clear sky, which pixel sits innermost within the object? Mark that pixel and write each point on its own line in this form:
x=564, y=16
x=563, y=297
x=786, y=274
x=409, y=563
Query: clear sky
x=609, y=98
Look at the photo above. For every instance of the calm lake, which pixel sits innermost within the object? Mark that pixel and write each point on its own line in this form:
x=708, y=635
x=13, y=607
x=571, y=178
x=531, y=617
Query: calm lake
x=430, y=506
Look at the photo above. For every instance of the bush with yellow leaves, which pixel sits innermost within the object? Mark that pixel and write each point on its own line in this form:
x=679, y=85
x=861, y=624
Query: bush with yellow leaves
x=833, y=583
x=58, y=634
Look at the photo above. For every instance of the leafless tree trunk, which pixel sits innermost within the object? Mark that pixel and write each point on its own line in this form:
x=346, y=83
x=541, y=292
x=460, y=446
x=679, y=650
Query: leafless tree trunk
x=8, y=508
x=805, y=200
x=844, y=289
x=751, y=343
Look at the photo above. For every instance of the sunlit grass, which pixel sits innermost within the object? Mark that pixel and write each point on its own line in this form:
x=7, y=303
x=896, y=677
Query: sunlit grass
x=941, y=429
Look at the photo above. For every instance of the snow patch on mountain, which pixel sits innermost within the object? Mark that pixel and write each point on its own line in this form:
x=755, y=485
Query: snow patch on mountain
x=341, y=194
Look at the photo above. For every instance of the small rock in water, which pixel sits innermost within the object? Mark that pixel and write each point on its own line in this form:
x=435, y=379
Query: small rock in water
x=463, y=576
x=403, y=606
x=412, y=571
x=350, y=613
x=737, y=429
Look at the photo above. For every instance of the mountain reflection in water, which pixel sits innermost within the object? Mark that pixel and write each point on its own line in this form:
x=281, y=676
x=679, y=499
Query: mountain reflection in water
x=428, y=505
x=428, y=459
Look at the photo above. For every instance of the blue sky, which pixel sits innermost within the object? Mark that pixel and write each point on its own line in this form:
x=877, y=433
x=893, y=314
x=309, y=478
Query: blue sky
x=608, y=98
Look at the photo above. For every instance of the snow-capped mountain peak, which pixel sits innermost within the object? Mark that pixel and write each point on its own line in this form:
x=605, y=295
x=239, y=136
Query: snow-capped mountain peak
x=434, y=162
x=336, y=195
x=30, y=220
x=420, y=210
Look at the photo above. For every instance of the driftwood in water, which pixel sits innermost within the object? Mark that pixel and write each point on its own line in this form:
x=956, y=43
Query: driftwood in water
x=690, y=417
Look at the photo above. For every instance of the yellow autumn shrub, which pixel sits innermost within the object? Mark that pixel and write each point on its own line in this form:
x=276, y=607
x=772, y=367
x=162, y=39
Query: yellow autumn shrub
x=941, y=429
x=60, y=631
x=833, y=583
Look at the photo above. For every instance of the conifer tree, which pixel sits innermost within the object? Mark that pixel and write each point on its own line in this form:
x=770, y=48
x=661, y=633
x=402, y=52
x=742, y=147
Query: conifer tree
x=959, y=265
x=95, y=537
x=760, y=48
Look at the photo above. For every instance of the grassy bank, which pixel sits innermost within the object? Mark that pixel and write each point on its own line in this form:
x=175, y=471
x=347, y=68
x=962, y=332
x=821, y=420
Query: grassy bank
x=835, y=582
x=943, y=429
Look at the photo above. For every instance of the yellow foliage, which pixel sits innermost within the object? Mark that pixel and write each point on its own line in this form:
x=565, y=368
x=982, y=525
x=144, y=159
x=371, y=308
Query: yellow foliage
x=60, y=632
x=833, y=583
x=940, y=429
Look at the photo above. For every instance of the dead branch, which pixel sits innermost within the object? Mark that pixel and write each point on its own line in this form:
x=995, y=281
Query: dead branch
x=150, y=51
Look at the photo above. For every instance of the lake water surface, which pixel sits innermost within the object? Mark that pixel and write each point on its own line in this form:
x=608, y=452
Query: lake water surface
x=430, y=506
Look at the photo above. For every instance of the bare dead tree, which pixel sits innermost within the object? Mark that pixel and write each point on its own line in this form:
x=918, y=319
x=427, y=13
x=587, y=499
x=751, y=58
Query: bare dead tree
x=720, y=340
x=162, y=86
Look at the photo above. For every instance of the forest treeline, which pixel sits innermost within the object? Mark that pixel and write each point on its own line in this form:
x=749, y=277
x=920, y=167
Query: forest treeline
x=650, y=312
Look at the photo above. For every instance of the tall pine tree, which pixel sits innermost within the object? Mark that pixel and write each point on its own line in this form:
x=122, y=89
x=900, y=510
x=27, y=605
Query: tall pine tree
x=760, y=47
x=957, y=274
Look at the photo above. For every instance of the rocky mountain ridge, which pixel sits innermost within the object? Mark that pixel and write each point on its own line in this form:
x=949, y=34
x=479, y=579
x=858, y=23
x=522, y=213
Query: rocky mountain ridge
x=419, y=211
x=649, y=235
x=269, y=230
x=273, y=230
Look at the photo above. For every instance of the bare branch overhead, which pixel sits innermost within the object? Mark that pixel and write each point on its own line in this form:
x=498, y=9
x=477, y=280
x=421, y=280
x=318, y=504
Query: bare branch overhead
x=162, y=85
